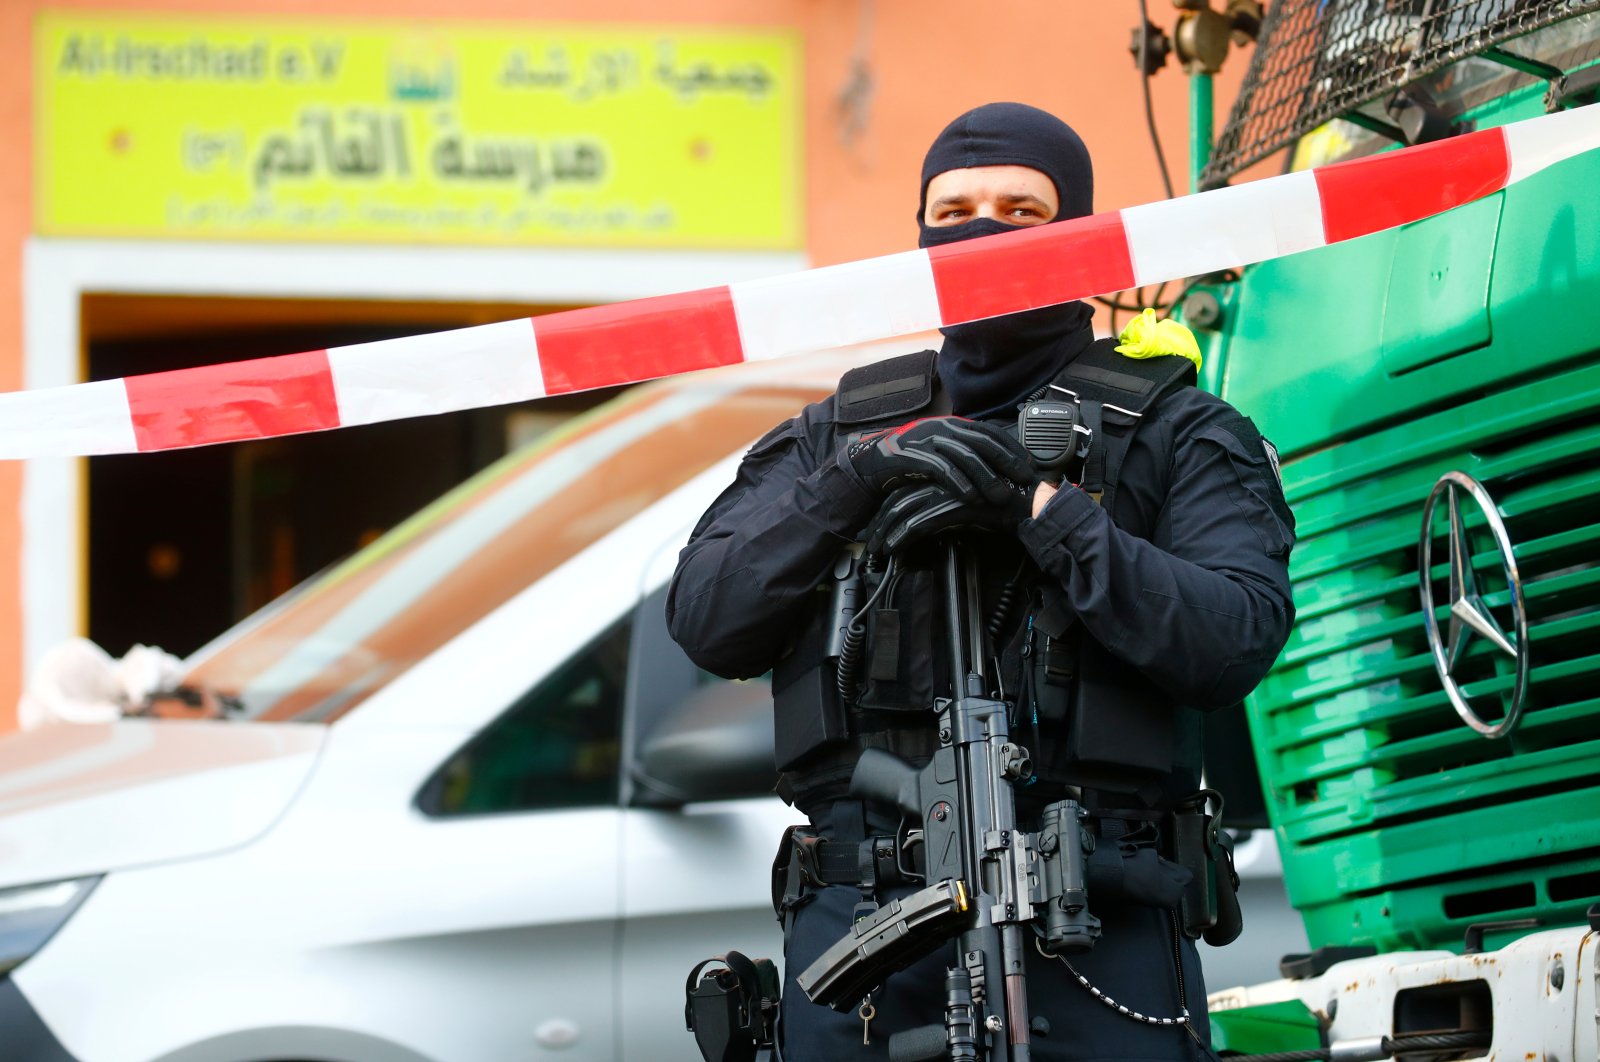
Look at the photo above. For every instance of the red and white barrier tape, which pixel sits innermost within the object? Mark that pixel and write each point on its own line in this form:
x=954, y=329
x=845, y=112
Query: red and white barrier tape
x=835, y=306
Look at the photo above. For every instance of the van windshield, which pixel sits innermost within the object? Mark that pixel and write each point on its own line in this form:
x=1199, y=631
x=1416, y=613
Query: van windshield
x=323, y=649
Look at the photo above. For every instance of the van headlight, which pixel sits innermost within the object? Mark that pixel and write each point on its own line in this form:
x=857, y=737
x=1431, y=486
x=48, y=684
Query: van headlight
x=30, y=915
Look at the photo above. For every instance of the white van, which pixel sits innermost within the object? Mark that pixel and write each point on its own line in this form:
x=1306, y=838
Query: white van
x=460, y=798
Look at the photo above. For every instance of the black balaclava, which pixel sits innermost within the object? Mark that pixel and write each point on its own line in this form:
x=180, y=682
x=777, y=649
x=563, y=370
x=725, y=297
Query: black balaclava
x=988, y=366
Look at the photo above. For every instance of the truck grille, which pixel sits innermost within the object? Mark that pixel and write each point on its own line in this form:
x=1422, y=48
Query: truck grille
x=1398, y=824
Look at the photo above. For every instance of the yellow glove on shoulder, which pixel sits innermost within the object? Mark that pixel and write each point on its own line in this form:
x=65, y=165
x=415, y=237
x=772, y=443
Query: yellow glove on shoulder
x=1146, y=337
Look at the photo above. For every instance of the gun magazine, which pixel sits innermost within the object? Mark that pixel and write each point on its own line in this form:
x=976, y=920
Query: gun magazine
x=892, y=938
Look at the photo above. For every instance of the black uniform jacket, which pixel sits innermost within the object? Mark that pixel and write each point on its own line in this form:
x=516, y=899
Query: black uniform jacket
x=1189, y=581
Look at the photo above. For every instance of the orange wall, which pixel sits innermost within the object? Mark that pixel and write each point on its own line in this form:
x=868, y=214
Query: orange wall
x=927, y=60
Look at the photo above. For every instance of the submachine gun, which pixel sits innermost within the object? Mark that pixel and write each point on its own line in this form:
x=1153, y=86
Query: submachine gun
x=990, y=885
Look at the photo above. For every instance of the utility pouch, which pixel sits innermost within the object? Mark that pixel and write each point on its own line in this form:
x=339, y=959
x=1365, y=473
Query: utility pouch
x=807, y=713
x=900, y=665
x=1138, y=876
x=732, y=1011
x=805, y=681
x=1230, y=918
x=1128, y=867
x=1120, y=726
x=1105, y=725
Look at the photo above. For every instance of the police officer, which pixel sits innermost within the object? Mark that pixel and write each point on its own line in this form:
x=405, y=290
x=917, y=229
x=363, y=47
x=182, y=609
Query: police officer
x=1148, y=588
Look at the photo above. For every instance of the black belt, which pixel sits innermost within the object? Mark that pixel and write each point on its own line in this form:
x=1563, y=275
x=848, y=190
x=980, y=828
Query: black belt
x=882, y=861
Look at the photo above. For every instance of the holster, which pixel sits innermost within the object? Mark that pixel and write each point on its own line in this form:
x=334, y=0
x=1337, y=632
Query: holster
x=789, y=872
x=1210, y=905
x=732, y=1012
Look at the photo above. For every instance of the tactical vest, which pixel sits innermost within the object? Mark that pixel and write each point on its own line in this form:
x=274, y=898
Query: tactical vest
x=1097, y=721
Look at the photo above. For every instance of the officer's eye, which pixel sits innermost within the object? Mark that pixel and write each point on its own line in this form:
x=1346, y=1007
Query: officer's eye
x=1026, y=210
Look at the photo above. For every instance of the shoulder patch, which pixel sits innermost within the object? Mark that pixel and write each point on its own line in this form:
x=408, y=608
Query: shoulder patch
x=1101, y=374
x=891, y=388
x=1239, y=426
x=1258, y=450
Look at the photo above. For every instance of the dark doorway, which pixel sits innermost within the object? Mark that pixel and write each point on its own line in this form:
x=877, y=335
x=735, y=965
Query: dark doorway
x=182, y=544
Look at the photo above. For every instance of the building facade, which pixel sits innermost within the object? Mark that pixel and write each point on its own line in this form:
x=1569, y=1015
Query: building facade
x=197, y=182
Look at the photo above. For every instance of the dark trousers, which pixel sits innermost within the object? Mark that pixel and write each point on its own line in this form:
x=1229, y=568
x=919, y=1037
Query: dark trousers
x=1133, y=963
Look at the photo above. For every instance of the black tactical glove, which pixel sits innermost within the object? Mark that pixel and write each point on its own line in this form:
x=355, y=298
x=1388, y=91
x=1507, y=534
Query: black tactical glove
x=918, y=511
x=971, y=460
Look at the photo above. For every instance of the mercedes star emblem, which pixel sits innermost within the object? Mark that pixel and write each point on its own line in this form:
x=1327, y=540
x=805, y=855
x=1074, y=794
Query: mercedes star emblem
x=1469, y=617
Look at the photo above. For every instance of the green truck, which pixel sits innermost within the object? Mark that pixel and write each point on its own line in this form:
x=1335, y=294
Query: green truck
x=1429, y=742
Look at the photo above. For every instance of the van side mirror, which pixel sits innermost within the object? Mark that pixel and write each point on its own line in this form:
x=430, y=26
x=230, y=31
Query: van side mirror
x=714, y=745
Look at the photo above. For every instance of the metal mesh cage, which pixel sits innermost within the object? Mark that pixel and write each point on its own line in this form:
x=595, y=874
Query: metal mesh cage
x=1322, y=59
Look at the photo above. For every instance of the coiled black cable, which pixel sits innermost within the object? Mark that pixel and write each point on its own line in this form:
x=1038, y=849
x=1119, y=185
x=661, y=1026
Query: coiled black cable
x=844, y=679
x=855, y=638
x=1000, y=618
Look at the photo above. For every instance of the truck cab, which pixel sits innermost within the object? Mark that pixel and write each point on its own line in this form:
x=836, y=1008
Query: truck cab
x=1428, y=740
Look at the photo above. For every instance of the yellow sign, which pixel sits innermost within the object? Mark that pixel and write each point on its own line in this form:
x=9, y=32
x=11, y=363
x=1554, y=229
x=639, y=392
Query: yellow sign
x=211, y=128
